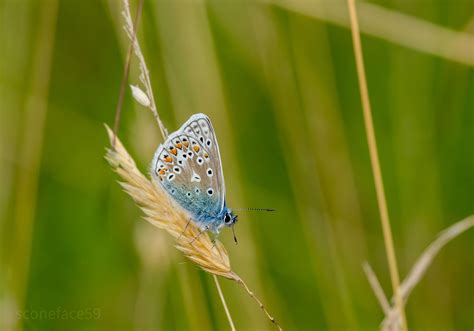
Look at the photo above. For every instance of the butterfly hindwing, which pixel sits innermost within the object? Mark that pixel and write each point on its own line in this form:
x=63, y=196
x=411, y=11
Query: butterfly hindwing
x=189, y=168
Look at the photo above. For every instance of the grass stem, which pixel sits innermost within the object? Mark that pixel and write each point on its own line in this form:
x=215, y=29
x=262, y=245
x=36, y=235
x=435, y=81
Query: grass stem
x=145, y=78
x=260, y=304
x=376, y=287
x=375, y=163
x=126, y=71
x=221, y=296
x=145, y=74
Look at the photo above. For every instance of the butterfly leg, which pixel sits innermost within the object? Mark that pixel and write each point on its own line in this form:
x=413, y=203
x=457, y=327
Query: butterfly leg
x=185, y=228
x=215, y=238
x=200, y=232
x=214, y=241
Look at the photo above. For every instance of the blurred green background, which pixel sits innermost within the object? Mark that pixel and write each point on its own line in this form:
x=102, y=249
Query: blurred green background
x=279, y=83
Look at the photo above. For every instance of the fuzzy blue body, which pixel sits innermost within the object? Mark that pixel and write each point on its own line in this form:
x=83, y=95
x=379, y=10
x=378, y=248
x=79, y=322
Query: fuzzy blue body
x=204, y=210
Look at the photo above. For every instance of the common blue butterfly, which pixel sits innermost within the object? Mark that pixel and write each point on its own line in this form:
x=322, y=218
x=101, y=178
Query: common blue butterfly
x=188, y=167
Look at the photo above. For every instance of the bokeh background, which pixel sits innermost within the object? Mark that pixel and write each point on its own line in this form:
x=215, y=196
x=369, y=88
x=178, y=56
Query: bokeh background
x=279, y=83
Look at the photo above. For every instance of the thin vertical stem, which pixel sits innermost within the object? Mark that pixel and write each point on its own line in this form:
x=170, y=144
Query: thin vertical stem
x=374, y=159
x=126, y=70
x=221, y=295
x=145, y=78
x=145, y=74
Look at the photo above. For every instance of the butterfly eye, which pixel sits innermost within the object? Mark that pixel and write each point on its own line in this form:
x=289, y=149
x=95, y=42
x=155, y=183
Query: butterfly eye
x=227, y=219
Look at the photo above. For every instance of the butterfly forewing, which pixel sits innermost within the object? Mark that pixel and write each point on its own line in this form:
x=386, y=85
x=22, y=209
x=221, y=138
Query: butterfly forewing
x=189, y=168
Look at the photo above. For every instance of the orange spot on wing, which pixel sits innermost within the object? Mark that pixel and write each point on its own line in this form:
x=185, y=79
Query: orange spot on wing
x=179, y=145
x=186, y=143
x=168, y=159
x=162, y=172
x=174, y=151
x=196, y=148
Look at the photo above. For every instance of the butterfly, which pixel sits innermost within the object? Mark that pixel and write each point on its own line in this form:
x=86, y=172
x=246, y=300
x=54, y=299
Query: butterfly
x=188, y=167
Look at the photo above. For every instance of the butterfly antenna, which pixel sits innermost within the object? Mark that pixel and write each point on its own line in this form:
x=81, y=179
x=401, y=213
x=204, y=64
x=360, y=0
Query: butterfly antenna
x=253, y=209
x=235, y=237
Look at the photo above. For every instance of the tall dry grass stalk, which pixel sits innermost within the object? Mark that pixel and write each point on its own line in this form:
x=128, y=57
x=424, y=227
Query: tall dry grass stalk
x=159, y=209
x=126, y=69
x=375, y=163
x=145, y=74
x=145, y=98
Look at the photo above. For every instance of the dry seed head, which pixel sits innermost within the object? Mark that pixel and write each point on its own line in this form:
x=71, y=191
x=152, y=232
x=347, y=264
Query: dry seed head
x=140, y=96
x=162, y=212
